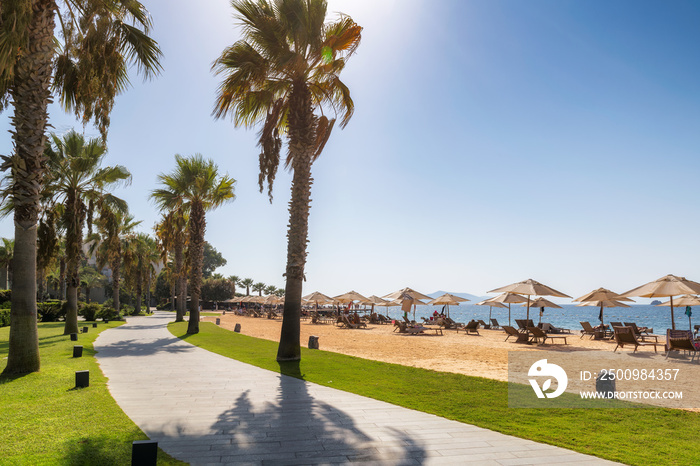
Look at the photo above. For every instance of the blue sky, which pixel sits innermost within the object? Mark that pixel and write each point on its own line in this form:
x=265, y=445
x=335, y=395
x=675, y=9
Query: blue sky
x=492, y=141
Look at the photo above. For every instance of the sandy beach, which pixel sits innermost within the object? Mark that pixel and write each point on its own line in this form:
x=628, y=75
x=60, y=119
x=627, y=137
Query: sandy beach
x=483, y=355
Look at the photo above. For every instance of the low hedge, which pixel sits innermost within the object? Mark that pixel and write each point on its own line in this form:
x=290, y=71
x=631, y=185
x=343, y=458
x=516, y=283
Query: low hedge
x=90, y=311
x=52, y=310
x=5, y=296
x=4, y=317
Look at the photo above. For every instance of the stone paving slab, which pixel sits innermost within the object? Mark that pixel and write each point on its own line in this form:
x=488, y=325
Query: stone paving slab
x=206, y=409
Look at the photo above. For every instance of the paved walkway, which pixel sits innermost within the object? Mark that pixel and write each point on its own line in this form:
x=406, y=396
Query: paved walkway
x=207, y=409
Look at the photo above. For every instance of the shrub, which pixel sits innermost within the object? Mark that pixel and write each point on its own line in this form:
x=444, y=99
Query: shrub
x=52, y=310
x=4, y=317
x=128, y=310
x=90, y=311
x=107, y=313
x=5, y=296
x=6, y=305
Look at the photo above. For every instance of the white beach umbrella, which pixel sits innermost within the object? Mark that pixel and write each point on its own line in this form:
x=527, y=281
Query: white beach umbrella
x=529, y=288
x=508, y=298
x=491, y=304
x=666, y=287
x=686, y=300
x=446, y=300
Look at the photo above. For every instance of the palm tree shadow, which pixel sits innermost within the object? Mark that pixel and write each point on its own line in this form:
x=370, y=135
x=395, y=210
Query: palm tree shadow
x=295, y=425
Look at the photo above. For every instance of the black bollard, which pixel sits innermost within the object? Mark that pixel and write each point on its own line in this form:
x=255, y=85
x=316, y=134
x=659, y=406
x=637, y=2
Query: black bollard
x=237, y=328
x=605, y=386
x=94, y=325
x=85, y=329
x=313, y=342
x=218, y=321
x=77, y=351
x=82, y=379
x=144, y=453
x=73, y=337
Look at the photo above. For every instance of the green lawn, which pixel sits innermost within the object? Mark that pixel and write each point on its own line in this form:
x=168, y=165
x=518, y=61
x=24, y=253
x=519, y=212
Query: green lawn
x=633, y=436
x=45, y=420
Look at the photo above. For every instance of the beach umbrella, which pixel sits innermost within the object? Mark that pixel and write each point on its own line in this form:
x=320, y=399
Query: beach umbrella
x=446, y=300
x=388, y=304
x=542, y=303
x=508, y=298
x=687, y=301
x=350, y=297
x=317, y=298
x=408, y=297
x=529, y=288
x=604, y=303
x=604, y=298
x=666, y=287
x=490, y=304
x=373, y=300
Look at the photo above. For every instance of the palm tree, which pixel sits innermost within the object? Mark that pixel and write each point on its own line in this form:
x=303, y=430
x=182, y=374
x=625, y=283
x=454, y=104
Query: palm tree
x=90, y=278
x=113, y=227
x=281, y=74
x=145, y=254
x=6, y=259
x=194, y=187
x=259, y=287
x=77, y=179
x=270, y=290
x=247, y=282
x=86, y=68
x=172, y=237
x=235, y=280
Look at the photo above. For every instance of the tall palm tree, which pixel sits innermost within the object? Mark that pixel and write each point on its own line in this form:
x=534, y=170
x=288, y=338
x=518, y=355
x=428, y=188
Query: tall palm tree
x=171, y=232
x=86, y=68
x=259, y=287
x=113, y=226
x=6, y=259
x=234, y=280
x=270, y=290
x=194, y=187
x=76, y=177
x=284, y=74
x=145, y=254
x=247, y=283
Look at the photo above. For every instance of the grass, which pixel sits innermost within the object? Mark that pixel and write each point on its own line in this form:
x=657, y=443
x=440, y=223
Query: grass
x=632, y=436
x=45, y=420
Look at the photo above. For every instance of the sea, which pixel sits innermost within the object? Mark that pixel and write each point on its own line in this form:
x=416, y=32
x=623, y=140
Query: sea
x=570, y=316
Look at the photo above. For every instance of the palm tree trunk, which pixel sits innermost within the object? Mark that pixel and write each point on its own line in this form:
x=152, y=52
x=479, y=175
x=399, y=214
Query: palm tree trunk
x=139, y=291
x=181, y=280
x=198, y=226
x=31, y=97
x=40, y=280
x=74, y=246
x=301, y=143
x=116, y=265
x=62, y=279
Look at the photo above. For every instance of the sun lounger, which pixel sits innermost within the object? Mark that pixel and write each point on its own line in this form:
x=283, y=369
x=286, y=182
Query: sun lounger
x=641, y=332
x=484, y=324
x=472, y=328
x=680, y=340
x=348, y=324
x=538, y=334
x=495, y=324
x=511, y=332
x=625, y=336
x=400, y=326
x=598, y=332
x=549, y=328
x=523, y=324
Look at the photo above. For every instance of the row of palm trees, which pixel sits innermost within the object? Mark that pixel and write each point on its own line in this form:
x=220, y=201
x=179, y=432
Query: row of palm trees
x=250, y=284
x=283, y=75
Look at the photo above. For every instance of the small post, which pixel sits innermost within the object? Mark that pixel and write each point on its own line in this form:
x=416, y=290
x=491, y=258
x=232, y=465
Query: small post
x=218, y=321
x=82, y=379
x=94, y=325
x=77, y=351
x=237, y=328
x=144, y=453
x=313, y=342
x=73, y=337
x=85, y=329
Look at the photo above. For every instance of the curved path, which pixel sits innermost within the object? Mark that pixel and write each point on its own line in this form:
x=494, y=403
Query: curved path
x=207, y=409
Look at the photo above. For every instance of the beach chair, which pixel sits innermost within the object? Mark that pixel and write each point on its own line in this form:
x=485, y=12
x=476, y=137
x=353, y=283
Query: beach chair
x=538, y=334
x=400, y=326
x=415, y=329
x=625, y=336
x=588, y=329
x=484, y=324
x=680, y=340
x=511, y=332
x=347, y=323
x=495, y=324
x=472, y=328
x=641, y=332
x=522, y=325
x=697, y=327
x=616, y=324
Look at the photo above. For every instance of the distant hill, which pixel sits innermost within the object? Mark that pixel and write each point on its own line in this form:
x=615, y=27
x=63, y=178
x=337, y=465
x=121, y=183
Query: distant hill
x=473, y=299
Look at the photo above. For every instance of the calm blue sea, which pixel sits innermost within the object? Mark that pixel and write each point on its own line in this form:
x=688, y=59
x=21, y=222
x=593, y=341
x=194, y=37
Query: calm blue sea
x=568, y=317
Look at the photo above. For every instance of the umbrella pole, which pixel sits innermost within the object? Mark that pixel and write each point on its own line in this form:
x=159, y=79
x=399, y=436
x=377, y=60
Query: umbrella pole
x=673, y=321
x=601, y=315
x=528, y=308
x=489, y=314
x=508, y=314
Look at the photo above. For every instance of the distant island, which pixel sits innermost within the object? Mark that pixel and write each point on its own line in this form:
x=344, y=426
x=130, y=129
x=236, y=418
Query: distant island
x=655, y=302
